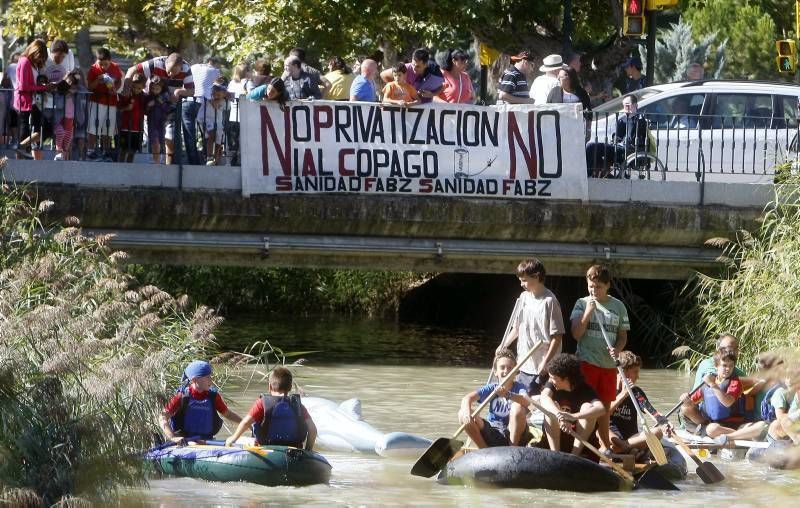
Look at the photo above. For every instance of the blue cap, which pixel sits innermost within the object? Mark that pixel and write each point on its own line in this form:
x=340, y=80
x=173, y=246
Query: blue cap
x=634, y=61
x=197, y=368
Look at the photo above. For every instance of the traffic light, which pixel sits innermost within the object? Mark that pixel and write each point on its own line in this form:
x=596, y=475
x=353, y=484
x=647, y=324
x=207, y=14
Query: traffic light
x=633, y=20
x=787, y=56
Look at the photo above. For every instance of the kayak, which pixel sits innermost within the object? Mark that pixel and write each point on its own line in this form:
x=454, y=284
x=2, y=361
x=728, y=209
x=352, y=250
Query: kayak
x=264, y=465
x=530, y=468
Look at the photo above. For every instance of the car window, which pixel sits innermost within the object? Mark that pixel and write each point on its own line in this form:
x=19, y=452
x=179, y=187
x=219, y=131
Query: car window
x=789, y=105
x=742, y=110
x=615, y=104
x=677, y=112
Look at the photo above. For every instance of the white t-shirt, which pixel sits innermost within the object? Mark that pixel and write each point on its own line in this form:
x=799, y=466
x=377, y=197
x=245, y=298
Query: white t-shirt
x=539, y=319
x=541, y=87
x=204, y=76
x=237, y=88
x=55, y=73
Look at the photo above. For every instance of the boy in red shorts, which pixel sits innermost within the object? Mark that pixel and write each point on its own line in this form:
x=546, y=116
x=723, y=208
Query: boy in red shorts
x=597, y=359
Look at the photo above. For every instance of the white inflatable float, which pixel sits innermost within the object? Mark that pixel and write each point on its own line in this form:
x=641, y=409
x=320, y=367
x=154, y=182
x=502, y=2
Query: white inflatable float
x=340, y=428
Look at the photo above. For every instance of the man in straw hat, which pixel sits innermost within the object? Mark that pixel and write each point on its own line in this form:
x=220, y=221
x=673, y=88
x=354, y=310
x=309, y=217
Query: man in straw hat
x=513, y=86
x=547, y=81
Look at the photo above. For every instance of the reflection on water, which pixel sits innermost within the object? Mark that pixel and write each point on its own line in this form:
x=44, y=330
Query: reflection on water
x=424, y=400
x=339, y=339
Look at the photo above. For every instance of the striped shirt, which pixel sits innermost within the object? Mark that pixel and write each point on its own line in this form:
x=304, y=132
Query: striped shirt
x=204, y=76
x=157, y=67
x=513, y=81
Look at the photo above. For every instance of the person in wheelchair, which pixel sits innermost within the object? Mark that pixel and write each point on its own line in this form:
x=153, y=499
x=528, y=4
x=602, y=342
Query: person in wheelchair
x=630, y=137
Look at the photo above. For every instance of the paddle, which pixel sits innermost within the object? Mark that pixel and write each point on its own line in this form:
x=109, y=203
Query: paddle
x=653, y=443
x=511, y=320
x=443, y=449
x=616, y=467
x=679, y=404
x=707, y=471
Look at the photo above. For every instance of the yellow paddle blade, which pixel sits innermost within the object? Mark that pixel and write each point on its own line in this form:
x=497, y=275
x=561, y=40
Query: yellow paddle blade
x=656, y=448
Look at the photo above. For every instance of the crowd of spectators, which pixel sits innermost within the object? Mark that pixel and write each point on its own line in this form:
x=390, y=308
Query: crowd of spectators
x=103, y=113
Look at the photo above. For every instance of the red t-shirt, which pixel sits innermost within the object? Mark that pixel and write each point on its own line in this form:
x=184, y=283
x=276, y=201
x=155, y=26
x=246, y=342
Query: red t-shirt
x=132, y=120
x=174, y=404
x=102, y=93
x=257, y=411
x=734, y=389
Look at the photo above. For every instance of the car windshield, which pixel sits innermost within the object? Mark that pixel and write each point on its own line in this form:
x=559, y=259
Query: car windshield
x=615, y=104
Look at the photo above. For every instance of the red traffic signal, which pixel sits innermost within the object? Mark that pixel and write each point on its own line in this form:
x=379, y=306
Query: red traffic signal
x=633, y=24
x=633, y=7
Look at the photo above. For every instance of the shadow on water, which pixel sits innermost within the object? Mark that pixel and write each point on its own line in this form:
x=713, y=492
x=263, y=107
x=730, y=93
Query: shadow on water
x=341, y=340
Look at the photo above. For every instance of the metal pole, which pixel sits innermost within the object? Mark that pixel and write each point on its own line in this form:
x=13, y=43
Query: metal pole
x=651, y=45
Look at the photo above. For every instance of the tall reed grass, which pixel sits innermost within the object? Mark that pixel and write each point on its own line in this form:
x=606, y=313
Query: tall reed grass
x=87, y=359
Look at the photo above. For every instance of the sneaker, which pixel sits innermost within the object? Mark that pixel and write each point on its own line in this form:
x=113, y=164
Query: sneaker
x=92, y=155
x=210, y=162
x=107, y=158
x=59, y=157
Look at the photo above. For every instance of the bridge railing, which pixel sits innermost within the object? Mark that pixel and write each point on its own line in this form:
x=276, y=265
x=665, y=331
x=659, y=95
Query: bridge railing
x=667, y=146
x=682, y=147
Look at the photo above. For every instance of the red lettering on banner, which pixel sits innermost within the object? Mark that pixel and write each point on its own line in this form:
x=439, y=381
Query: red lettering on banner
x=515, y=138
x=425, y=186
x=309, y=169
x=318, y=123
x=283, y=183
x=284, y=156
x=342, y=154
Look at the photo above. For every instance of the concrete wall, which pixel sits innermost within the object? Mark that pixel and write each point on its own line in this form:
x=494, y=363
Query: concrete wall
x=645, y=228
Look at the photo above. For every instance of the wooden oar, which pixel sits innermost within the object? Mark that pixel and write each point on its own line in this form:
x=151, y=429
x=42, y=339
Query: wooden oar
x=439, y=453
x=653, y=443
x=511, y=320
x=679, y=404
x=616, y=467
x=707, y=471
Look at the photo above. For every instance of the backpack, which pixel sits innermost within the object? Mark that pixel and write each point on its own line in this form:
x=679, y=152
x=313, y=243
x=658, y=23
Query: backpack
x=283, y=422
x=767, y=409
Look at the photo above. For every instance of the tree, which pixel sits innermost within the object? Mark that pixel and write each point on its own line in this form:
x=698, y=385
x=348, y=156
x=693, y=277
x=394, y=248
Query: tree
x=676, y=49
x=749, y=30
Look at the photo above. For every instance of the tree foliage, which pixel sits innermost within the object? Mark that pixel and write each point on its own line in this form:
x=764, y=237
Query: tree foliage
x=238, y=29
x=676, y=49
x=750, y=32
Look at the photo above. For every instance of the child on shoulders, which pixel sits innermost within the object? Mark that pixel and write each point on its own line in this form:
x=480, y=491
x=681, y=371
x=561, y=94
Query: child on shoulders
x=572, y=401
x=195, y=409
x=506, y=423
x=277, y=418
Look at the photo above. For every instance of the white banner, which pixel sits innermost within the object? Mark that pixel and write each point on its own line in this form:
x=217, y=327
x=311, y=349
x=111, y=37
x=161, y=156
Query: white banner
x=511, y=151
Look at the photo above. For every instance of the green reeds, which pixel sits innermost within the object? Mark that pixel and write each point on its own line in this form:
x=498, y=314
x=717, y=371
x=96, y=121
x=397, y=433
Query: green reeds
x=87, y=359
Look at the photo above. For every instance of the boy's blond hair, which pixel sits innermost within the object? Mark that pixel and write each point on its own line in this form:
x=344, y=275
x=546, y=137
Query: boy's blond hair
x=504, y=353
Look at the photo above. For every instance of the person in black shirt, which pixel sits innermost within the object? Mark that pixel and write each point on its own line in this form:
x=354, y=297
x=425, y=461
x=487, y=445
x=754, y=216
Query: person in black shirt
x=625, y=435
x=573, y=403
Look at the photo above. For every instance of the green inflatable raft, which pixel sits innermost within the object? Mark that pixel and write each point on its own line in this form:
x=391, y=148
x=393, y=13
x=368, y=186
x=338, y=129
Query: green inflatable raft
x=264, y=465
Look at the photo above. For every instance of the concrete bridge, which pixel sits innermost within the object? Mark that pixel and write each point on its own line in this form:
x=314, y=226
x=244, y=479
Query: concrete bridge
x=198, y=215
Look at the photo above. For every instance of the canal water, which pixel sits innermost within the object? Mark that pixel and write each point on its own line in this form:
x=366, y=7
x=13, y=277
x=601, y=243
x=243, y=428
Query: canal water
x=411, y=379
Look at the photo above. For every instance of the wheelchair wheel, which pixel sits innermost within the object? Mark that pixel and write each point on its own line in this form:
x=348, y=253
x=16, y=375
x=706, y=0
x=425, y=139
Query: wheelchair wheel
x=642, y=164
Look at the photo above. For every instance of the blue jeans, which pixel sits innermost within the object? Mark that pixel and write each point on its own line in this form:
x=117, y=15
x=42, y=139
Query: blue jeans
x=189, y=111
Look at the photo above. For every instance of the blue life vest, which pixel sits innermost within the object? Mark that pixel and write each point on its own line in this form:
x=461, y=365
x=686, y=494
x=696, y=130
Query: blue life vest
x=767, y=409
x=283, y=422
x=196, y=417
x=713, y=407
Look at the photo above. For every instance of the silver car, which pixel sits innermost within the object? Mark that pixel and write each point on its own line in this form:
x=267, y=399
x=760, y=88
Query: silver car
x=732, y=131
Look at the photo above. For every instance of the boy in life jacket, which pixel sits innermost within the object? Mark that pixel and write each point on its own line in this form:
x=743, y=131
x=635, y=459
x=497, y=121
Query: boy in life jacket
x=278, y=418
x=506, y=424
x=625, y=435
x=195, y=409
x=719, y=401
